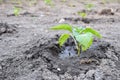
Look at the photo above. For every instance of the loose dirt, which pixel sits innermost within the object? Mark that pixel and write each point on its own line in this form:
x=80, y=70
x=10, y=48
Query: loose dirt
x=29, y=49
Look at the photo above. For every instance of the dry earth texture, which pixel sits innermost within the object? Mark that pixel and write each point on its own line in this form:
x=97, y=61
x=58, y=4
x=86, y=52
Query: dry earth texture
x=29, y=49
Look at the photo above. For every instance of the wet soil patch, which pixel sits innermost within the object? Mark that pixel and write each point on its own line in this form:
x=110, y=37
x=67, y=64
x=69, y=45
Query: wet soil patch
x=7, y=28
x=68, y=50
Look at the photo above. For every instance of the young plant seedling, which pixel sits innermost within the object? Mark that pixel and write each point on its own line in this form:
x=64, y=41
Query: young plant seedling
x=16, y=11
x=104, y=1
x=83, y=37
x=32, y=2
x=1, y=1
x=63, y=0
x=82, y=14
x=89, y=6
x=48, y=2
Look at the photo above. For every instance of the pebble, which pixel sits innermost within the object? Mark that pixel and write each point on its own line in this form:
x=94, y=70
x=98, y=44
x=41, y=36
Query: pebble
x=62, y=20
x=58, y=69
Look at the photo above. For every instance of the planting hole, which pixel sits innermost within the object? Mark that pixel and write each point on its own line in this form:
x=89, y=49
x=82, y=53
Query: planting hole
x=68, y=50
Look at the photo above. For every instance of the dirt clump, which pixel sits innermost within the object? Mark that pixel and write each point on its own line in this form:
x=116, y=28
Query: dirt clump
x=7, y=28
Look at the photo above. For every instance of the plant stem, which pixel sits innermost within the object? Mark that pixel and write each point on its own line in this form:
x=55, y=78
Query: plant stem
x=75, y=41
x=77, y=46
x=79, y=49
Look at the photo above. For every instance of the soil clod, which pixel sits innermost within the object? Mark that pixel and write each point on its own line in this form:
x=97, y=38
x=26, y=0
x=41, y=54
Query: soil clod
x=7, y=28
x=106, y=12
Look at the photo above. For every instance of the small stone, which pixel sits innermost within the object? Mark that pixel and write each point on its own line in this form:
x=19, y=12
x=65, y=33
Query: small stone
x=2, y=30
x=62, y=20
x=46, y=31
x=90, y=73
x=58, y=69
x=42, y=15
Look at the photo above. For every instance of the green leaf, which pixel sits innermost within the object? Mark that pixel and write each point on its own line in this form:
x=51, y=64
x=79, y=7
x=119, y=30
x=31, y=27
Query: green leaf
x=94, y=32
x=48, y=1
x=62, y=27
x=63, y=39
x=82, y=14
x=89, y=6
x=16, y=11
x=85, y=40
x=79, y=29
